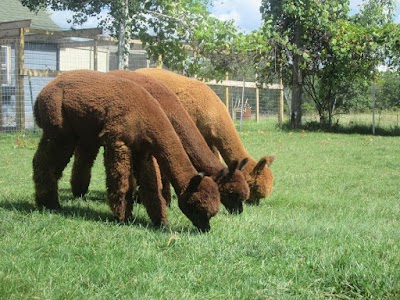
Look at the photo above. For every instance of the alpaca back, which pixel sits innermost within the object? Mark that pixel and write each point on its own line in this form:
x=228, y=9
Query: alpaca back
x=194, y=95
x=207, y=111
x=47, y=110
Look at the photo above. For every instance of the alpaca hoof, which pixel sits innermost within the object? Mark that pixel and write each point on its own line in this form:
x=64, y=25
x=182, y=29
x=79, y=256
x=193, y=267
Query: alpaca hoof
x=160, y=223
x=123, y=221
x=79, y=193
x=253, y=201
x=50, y=206
x=235, y=210
x=48, y=200
x=204, y=228
x=127, y=218
x=202, y=225
x=122, y=211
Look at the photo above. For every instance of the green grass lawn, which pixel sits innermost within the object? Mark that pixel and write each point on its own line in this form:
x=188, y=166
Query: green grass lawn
x=330, y=230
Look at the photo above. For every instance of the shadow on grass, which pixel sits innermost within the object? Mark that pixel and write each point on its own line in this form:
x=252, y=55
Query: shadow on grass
x=91, y=196
x=84, y=212
x=349, y=129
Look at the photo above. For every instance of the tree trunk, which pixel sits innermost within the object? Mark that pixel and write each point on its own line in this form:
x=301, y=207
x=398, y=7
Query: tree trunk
x=297, y=90
x=297, y=80
x=124, y=37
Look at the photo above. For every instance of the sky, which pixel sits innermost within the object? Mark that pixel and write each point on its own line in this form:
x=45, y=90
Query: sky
x=246, y=13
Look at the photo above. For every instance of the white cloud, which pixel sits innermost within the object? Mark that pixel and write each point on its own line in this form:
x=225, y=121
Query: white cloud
x=355, y=4
x=61, y=19
x=246, y=14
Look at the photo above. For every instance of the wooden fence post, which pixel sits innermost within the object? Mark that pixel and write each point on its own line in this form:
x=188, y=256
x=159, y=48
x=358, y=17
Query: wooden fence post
x=1, y=89
x=227, y=93
x=257, y=104
x=95, y=57
x=19, y=80
x=159, y=63
x=281, y=104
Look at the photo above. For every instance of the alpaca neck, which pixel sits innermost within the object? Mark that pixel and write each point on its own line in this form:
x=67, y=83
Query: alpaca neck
x=229, y=145
x=175, y=165
x=201, y=156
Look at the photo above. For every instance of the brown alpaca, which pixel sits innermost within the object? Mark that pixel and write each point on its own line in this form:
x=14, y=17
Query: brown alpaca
x=93, y=108
x=212, y=118
x=232, y=185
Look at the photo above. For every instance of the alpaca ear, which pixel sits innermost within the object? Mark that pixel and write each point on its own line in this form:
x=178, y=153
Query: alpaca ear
x=270, y=160
x=233, y=166
x=266, y=160
x=194, y=183
x=221, y=174
x=259, y=166
x=242, y=163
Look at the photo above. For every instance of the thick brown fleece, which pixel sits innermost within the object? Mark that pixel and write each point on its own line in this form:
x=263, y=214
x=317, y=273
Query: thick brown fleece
x=213, y=120
x=232, y=185
x=92, y=108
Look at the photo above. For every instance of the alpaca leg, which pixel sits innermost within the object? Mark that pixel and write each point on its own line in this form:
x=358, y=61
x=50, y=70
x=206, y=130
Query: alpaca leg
x=131, y=194
x=166, y=189
x=117, y=161
x=85, y=155
x=49, y=161
x=149, y=180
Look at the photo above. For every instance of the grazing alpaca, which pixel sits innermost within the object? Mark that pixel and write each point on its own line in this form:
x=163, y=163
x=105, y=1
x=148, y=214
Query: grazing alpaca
x=93, y=108
x=212, y=118
x=232, y=185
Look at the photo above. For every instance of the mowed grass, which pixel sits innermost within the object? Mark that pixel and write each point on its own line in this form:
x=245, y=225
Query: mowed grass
x=330, y=230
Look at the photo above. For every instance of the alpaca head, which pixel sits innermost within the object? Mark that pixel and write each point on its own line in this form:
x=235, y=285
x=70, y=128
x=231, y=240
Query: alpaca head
x=260, y=179
x=200, y=201
x=232, y=186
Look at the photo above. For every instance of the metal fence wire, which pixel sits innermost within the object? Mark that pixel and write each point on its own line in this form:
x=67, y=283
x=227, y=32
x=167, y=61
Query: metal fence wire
x=25, y=71
x=28, y=65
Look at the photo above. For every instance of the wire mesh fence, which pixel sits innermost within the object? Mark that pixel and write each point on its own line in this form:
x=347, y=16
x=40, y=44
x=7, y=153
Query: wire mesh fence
x=27, y=67
x=246, y=102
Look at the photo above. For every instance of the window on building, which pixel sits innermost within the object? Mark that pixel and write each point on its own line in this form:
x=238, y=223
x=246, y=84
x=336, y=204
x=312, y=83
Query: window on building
x=5, y=59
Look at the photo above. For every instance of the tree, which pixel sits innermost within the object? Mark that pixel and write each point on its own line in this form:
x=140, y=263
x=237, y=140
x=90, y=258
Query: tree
x=323, y=51
x=163, y=25
x=283, y=24
x=388, y=92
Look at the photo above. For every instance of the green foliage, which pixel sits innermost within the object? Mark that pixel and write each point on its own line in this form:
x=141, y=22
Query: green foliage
x=165, y=27
x=337, y=53
x=388, y=91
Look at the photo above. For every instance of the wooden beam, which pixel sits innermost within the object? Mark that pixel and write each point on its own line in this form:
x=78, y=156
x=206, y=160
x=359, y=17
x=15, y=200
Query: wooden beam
x=15, y=24
x=40, y=73
x=252, y=85
x=83, y=33
x=9, y=33
x=76, y=44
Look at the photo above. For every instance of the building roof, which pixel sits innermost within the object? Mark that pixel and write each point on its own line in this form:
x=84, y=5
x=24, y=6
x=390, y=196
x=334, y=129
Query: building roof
x=13, y=10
